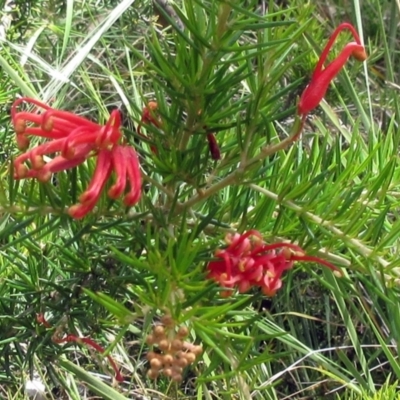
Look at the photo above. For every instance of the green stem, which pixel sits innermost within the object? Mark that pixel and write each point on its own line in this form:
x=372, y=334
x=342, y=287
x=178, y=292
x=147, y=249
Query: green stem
x=232, y=177
x=204, y=194
x=223, y=15
x=158, y=185
x=208, y=61
x=189, y=128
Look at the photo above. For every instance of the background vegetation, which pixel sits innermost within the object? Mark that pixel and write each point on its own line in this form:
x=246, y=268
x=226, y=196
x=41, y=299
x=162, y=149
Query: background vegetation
x=235, y=68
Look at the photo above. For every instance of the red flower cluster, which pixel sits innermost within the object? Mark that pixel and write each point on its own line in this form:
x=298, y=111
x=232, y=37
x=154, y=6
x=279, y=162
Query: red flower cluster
x=73, y=139
x=248, y=262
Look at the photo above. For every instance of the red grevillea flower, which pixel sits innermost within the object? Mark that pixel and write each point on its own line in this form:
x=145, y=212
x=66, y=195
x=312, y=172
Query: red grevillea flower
x=248, y=262
x=71, y=140
x=59, y=338
x=322, y=77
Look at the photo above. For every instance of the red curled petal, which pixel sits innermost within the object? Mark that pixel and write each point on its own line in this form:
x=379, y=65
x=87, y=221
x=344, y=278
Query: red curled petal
x=28, y=100
x=61, y=163
x=359, y=53
x=243, y=242
x=316, y=90
x=244, y=286
x=101, y=174
x=134, y=177
x=78, y=211
x=58, y=164
x=228, y=266
x=80, y=136
x=255, y=274
x=60, y=118
x=35, y=155
x=110, y=134
x=22, y=142
x=329, y=45
x=36, y=131
x=270, y=285
x=27, y=117
x=119, y=161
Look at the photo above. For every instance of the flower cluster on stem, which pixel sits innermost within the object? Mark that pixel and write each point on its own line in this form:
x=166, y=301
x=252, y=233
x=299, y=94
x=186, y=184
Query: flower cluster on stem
x=249, y=262
x=72, y=139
